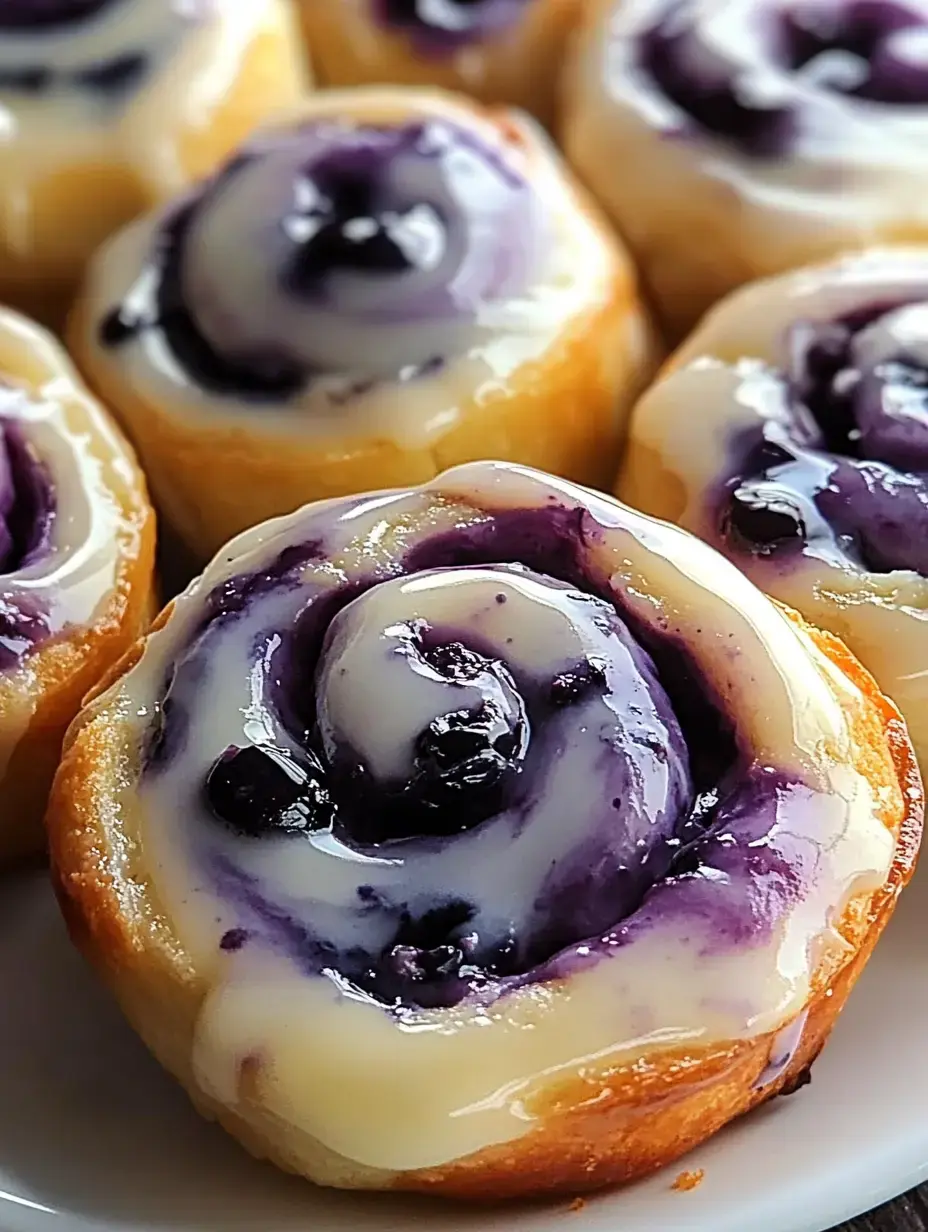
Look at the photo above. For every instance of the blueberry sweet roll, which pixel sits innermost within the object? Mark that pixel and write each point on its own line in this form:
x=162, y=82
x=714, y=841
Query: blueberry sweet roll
x=734, y=139
x=387, y=283
x=791, y=431
x=485, y=837
x=500, y=51
x=112, y=105
x=76, y=560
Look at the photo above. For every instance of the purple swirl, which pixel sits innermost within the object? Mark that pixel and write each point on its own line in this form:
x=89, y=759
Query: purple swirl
x=757, y=86
x=34, y=14
x=27, y=510
x=360, y=250
x=552, y=776
x=444, y=26
x=842, y=470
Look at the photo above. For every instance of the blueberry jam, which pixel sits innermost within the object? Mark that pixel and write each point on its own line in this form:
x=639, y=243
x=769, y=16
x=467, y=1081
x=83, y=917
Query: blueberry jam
x=471, y=770
x=869, y=49
x=445, y=25
x=26, y=515
x=875, y=51
x=347, y=219
x=365, y=254
x=844, y=470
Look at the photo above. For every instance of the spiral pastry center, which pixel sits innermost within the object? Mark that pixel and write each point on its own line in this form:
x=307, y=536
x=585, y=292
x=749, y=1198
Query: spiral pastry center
x=506, y=691
x=90, y=53
x=450, y=22
x=754, y=74
x=443, y=779
x=25, y=501
x=363, y=250
x=27, y=510
x=849, y=462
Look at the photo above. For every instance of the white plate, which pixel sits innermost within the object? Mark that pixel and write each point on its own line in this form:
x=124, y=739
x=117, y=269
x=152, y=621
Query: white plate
x=94, y=1138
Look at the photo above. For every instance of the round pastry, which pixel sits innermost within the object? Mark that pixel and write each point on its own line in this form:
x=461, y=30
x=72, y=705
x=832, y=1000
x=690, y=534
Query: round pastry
x=112, y=105
x=76, y=562
x=764, y=134
x=500, y=51
x=596, y=879
x=416, y=283
x=791, y=431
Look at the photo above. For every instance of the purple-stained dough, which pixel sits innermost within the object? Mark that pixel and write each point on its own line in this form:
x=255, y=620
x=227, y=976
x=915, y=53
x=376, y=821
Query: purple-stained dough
x=364, y=250
x=27, y=510
x=675, y=820
x=842, y=470
x=759, y=93
x=440, y=27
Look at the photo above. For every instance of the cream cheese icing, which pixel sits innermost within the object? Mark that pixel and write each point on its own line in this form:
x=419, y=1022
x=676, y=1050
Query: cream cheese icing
x=59, y=463
x=425, y=253
x=587, y=681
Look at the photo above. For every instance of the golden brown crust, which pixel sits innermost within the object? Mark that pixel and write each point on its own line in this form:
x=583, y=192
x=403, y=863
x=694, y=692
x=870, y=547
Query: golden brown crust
x=615, y=1126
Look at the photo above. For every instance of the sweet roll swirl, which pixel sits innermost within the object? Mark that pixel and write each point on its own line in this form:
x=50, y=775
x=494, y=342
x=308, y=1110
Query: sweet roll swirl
x=487, y=751
x=370, y=250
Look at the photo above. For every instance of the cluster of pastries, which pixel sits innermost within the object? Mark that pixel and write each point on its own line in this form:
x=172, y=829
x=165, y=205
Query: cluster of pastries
x=376, y=298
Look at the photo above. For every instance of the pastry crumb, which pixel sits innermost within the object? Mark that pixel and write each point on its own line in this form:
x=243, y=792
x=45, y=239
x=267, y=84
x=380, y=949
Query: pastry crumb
x=577, y=1205
x=688, y=1180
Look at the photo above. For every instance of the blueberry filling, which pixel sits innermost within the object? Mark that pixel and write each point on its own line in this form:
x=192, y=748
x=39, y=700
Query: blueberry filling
x=872, y=50
x=717, y=102
x=619, y=757
x=119, y=75
x=260, y=790
x=443, y=25
x=765, y=517
x=845, y=468
x=346, y=220
x=26, y=514
x=105, y=79
x=366, y=254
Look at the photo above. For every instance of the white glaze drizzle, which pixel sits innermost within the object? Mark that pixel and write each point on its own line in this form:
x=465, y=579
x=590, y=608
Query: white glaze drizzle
x=87, y=465
x=420, y=1089
x=196, y=48
x=724, y=380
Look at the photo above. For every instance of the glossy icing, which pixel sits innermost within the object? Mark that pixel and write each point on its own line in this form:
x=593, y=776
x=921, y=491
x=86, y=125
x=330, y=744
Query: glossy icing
x=387, y=245
x=803, y=452
x=425, y=254
x=443, y=26
x=789, y=131
x=638, y=825
x=810, y=88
